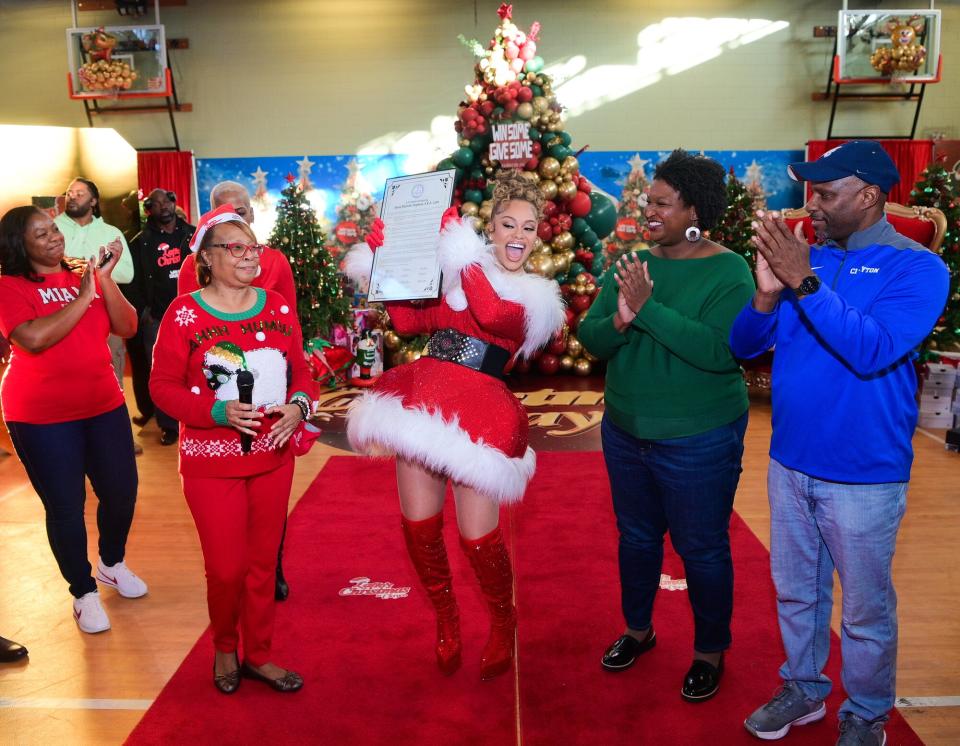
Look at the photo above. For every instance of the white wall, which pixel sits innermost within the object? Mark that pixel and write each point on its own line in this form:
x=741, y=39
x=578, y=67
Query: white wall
x=287, y=77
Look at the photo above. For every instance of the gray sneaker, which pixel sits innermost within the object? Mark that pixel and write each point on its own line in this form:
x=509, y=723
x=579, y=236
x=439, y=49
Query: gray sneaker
x=856, y=731
x=788, y=707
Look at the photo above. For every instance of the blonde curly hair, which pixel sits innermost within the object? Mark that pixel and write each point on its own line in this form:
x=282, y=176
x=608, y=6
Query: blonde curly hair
x=511, y=184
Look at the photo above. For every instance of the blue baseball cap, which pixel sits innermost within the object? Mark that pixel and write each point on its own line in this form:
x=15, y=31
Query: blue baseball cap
x=865, y=159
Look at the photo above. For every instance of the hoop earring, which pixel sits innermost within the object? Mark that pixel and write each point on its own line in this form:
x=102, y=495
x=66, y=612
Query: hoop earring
x=692, y=234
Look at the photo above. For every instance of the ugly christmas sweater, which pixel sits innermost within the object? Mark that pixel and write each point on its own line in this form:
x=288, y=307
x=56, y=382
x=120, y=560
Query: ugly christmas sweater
x=199, y=352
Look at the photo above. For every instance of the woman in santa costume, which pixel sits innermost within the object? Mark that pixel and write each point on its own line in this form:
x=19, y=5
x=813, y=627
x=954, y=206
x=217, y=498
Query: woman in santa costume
x=450, y=416
x=236, y=457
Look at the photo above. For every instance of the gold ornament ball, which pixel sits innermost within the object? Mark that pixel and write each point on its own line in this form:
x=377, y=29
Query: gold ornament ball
x=591, y=288
x=563, y=241
x=561, y=262
x=583, y=278
x=567, y=191
x=579, y=289
x=544, y=248
x=471, y=209
x=391, y=340
x=540, y=104
x=542, y=265
x=464, y=142
x=525, y=110
x=549, y=167
x=574, y=346
x=548, y=188
x=566, y=362
x=571, y=164
x=569, y=255
x=582, y=367
x=486, y=210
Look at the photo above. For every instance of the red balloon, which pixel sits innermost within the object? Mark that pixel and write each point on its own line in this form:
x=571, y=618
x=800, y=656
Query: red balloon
x=549, y=208
x=524, y=94
x=548, y=364
x=544, y=231
x=531, y=164
x=537, y=148
x=564, y=221
x=583, y=185
x=581, y=302
x=580, y=204
x=557, y=346
x=487, y=107
x=522, y=366
x=571, y=316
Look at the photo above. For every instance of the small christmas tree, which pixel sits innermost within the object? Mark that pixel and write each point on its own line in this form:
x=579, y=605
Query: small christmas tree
x=320, y=299
x=734, y=229
x=356, y=211
x=629, y=233
x=938, y=187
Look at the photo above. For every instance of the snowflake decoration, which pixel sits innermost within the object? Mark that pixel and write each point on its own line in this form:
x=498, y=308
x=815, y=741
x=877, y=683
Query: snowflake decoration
x=185, y=316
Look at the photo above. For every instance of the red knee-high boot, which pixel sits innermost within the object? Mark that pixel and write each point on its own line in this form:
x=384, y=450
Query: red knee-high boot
x=491, y=563
x=429, y=554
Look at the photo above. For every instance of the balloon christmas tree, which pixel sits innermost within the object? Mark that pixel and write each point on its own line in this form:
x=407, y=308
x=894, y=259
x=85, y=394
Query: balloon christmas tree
x=630, y=232
x=510, y=118
x=355, y=212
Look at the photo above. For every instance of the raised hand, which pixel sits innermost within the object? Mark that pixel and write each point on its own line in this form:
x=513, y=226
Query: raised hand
x=114, y=249
x=786, y=255
x=374, y=239
x=450, y=214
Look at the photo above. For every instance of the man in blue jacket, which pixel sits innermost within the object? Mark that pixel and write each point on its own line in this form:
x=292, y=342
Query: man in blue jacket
x=846, y=316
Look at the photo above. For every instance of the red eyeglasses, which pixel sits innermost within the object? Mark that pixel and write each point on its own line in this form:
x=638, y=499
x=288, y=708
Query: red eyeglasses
x=239, y=250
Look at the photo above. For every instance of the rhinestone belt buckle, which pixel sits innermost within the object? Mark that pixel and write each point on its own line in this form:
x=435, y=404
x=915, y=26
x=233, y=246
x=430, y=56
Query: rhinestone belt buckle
x=452, y=346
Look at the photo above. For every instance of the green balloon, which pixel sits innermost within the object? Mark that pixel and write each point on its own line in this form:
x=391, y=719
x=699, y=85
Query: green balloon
x=597, y=246
x=559, y=152
x=446, y=164
x=476, y=174
x=478, y=144
x=588, y=238
x=535, y=134
x=603, y=215
x=565, y=136
x=537, y=90
x=561, y=278
x=579, y=227
x=576, y=268
x=473, y=195
x=597, y=266
x=463, y=157
x=534, y=65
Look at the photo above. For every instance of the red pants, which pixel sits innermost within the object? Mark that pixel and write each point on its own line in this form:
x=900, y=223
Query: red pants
x=240, y=522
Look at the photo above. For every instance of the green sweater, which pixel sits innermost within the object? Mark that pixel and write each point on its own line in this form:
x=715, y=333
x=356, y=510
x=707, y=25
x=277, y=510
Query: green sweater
x=671, y=373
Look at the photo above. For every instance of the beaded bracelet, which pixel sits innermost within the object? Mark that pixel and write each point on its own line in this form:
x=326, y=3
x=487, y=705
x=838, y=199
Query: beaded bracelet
x=302, y=405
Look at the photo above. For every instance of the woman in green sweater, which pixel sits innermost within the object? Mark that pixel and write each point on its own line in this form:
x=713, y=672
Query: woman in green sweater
x=676, y=411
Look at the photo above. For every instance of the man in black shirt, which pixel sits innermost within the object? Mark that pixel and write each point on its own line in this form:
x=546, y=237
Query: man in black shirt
x=158, y=251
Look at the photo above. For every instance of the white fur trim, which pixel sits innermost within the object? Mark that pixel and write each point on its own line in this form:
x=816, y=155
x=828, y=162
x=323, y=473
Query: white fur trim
x=379, y=425
x=461, y=246
x=358, y=263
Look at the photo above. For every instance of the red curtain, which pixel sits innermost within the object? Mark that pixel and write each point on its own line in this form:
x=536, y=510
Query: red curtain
x=170, y=170
x=911, y=157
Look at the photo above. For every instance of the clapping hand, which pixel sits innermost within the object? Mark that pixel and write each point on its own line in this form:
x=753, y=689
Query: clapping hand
x=633, y=278
x=108, y=256
x=783, y=256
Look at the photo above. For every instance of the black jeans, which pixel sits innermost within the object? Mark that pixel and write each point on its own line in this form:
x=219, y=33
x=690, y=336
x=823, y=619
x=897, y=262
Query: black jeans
x=57, y=457
x=140, y=371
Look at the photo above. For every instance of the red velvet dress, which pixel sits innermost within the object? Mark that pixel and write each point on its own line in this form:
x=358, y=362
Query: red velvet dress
x=447, y=417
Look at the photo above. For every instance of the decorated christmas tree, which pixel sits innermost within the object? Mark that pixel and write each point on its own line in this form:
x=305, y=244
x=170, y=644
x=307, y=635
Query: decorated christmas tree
x=734, y=229
x=355, y=212
x=938, y=187
x=754, y=182
x=511, y=118
x=320, y=299
x=629, y=233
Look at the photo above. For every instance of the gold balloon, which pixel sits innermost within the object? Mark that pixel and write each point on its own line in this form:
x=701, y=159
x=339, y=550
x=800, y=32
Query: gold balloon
x=542, y=265
x=540, y=103
x=583, y=278
x=525, y=110
x=574, y=346
x=566, y=362
x=470, y=209
x=582, y=367
x=391, y=340
x=571, y=164
x=567, y=191
x=563, y=241
x=548, y=188
x=561, y=262
x=591, y=288
x=486, y=209
x=464, y=142
x=544, y=248
x=569, y=255
x=587, y=356
x=549, y=167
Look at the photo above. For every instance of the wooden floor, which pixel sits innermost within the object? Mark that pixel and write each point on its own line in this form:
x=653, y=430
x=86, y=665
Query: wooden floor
x=79, y=688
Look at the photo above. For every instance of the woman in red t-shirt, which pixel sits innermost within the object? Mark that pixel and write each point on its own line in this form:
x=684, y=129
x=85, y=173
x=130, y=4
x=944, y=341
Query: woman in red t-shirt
x=236, y=459
x=61, y=401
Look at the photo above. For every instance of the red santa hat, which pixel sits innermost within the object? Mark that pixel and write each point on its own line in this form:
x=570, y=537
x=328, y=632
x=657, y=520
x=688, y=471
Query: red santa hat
x=224, y=214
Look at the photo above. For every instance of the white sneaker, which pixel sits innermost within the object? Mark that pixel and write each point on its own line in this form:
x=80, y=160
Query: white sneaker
x=89, y=613
x=122, y=578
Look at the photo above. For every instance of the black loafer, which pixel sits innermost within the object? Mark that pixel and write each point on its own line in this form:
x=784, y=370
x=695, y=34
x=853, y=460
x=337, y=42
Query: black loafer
x=289, y=682
x=168, y=437
x=11, y=651
x=141, y=419
x=702, y=681
x=623, y=653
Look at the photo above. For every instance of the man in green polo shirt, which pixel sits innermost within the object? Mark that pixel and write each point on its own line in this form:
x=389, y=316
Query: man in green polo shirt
x=84, y=232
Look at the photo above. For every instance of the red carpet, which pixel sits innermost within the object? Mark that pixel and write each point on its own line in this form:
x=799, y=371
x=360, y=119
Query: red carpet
x=368, y=662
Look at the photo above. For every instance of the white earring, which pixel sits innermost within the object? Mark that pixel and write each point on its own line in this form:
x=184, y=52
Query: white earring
x=692, y=233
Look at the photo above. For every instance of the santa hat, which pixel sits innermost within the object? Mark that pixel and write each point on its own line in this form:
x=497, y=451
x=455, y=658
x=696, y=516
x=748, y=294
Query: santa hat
x=224, y=214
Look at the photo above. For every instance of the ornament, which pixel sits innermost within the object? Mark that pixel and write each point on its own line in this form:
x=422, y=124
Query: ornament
x=567, y=191
x=469, y=209
x=525, y=110
x=574, y=346
x=563, y=241
x=548, y=364
x=549, y=167
x=391, y=340
x=566, y=362
x=548, y=189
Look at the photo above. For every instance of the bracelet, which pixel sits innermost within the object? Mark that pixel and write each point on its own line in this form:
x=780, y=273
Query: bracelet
x=302, y=406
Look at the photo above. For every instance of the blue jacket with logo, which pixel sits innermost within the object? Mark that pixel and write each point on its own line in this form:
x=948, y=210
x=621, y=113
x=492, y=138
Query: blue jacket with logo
x=844, y=383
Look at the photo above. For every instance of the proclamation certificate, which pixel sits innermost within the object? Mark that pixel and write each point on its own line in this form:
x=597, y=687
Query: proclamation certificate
x=406, y=266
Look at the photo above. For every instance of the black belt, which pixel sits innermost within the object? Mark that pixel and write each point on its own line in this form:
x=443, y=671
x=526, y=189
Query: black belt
x=462, y=349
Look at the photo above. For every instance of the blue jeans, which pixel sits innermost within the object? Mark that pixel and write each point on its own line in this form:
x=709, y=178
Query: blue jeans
x=57, y=457
x=684, y=485
x=816, y=527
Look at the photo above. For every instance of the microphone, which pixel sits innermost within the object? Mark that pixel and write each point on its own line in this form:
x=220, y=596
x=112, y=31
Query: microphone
x=245, y=387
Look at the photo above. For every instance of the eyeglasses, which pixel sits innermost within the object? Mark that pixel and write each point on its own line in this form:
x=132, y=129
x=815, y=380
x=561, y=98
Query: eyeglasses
x=239, y=250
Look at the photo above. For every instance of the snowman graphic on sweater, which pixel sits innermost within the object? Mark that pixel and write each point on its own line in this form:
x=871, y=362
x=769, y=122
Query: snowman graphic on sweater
x=224, y=360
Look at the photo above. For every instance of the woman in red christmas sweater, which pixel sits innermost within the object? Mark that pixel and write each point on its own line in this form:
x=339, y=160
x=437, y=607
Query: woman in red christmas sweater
x=209, y=342
x=450, y=416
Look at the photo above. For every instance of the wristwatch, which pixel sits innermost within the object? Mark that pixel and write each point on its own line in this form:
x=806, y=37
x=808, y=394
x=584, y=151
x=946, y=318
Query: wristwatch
x=808, y=286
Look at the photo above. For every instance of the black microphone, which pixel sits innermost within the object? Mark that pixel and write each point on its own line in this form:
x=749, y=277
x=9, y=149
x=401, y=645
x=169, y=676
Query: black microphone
x=245, y=387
